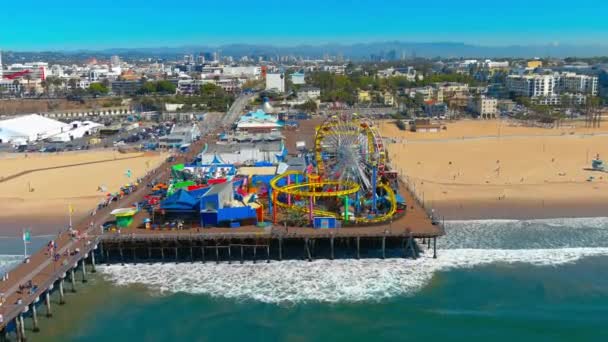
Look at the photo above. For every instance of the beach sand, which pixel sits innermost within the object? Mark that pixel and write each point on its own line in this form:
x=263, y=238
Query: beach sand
x=523, y=173
x=41, y=198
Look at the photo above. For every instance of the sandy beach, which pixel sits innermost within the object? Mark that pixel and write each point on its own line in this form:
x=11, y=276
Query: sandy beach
x=469, y=171
x=43, y=196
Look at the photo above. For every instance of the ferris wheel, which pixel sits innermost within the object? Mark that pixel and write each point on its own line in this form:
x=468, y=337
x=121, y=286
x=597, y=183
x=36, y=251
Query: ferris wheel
x=349, y=148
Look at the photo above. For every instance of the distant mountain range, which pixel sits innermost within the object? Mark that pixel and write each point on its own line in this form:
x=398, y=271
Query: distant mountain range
x=361, y=51
x=365, y=50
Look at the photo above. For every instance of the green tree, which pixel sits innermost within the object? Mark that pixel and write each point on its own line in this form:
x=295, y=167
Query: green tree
x=97, y=89
x=309, y=106
x=165, y=87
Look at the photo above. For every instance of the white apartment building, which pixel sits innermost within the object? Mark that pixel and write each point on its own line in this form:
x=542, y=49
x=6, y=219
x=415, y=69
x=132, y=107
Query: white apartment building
x=531, y=85
x=409, y=73
x=308, y=93
x=35, y=71
x=485, y=107
x=536, y=85
x=298, y=78
x=247, y=71
x=275, y=82
x=574, y=83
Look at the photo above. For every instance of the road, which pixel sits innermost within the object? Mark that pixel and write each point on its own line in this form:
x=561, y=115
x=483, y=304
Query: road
x=236, y=110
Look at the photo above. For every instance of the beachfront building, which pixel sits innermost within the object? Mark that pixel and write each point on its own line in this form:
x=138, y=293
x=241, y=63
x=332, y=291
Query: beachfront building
x=484, y=107
x=298, y=78
x=275, y=82
x=308, y=93
x=258, y=122
x=24, y=129
x=180, y=136
x=551, y=89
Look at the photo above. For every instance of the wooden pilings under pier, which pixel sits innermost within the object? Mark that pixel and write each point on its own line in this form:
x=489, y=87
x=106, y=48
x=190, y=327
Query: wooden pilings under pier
x=230, y=245
x=34, y=299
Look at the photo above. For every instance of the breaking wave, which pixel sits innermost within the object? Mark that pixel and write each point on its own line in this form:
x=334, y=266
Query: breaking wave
x=467, y=244
x=9, y=261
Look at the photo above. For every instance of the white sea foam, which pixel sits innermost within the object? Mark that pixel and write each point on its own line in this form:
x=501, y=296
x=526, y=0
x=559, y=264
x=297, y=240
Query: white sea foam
x=545, y=243
x=9, y=261
x=324, y=280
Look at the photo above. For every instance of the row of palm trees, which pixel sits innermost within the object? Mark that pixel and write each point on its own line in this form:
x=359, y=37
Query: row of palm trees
x=50, y=85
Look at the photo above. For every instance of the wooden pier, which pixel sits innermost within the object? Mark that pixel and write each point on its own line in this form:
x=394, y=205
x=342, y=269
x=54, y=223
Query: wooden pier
x=401, y=237
x=46, y=275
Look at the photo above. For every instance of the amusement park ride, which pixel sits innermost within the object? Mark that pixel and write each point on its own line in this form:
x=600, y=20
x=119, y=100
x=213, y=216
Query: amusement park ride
x=347, y=180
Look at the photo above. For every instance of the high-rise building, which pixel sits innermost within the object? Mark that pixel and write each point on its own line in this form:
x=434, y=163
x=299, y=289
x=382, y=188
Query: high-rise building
x=1, y=64
x=115, y=61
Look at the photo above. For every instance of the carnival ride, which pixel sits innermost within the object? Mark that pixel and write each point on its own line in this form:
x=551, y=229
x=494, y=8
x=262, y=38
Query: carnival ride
x=349, y=182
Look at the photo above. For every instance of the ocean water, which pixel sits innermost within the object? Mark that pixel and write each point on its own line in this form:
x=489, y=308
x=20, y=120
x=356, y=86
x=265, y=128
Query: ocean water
x=541, y=280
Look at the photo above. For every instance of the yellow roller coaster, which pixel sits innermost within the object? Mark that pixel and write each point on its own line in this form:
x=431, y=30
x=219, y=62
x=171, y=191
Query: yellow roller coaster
x=314, y=190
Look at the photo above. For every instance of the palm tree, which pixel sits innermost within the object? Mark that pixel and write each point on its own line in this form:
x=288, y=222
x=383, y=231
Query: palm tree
x=59, y=82
x=72, y=83
x=17, y=85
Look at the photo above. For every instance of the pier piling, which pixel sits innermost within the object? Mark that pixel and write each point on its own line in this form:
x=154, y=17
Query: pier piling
x=162, y=253
x=73, y=279
x=20, y=337
x=22, y=328
x=47, y=302
x=93, y=269
x=61, y=294
x=434, y=248
x=268, y=252
x=255, y=252
x=101, y=252
x=35, y=327
x=203, y=253
x=242, y=256
x=384, y=247
x=358, y=247
x=133, y=256
x=84, y=271
x=229, y=254
x=331, y=247
x=217, y=254
x=280, y=248
x=176, y=255
x=307, y=249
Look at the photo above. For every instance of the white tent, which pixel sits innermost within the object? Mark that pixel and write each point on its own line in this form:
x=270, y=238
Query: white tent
x=78, y=130
x=30, y=128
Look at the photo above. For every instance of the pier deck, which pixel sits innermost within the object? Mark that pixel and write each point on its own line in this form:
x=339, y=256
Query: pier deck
x=44, y=272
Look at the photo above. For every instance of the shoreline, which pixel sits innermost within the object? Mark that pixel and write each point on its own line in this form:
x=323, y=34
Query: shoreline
x=519, y=209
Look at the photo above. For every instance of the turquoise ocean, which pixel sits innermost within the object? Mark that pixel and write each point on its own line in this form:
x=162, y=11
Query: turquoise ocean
x=493, y=280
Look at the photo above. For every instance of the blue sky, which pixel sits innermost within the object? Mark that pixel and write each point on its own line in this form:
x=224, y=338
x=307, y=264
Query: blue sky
x=98, y=24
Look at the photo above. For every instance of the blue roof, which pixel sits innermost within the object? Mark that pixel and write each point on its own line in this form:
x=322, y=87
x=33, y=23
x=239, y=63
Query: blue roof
x=181, y=200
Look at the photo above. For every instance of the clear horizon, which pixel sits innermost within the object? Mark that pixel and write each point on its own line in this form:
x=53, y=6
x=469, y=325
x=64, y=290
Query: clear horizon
x=73, y=25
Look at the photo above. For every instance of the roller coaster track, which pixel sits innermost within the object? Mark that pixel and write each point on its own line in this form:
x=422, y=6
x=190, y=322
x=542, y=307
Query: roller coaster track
x=349, y=188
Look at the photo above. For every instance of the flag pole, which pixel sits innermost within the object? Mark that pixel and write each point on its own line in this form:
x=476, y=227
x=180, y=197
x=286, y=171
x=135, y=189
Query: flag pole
x=24, y=244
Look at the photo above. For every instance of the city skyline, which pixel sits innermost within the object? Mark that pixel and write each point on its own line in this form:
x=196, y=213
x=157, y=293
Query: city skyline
x=136, y=23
